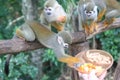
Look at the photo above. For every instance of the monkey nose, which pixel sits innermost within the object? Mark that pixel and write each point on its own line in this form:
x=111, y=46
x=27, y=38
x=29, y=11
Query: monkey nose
x=49, y=13
x=88, y=15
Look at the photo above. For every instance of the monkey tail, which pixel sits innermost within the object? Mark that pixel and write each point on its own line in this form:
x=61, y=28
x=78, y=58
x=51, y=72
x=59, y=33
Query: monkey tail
x=6, y=68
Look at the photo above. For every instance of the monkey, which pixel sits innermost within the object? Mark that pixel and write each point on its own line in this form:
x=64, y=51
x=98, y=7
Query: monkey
x=53, y=14
x=48, y=38
x=105, y=8
x=91, y=11
x=113, y=11
x=32, y=30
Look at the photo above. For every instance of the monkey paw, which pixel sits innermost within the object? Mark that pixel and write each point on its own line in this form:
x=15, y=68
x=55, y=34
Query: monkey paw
x=62, y=19
x=61, y=42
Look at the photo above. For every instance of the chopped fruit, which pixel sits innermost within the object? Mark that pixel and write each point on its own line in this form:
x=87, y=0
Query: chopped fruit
x=88, y=67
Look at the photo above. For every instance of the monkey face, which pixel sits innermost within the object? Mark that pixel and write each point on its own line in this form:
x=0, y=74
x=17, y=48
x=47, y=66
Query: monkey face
x=48, y=11
x=91, y=13
x=49, y=14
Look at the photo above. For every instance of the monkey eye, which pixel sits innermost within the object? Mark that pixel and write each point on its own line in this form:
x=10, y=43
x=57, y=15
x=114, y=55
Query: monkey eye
x=90, y=12
x=49, y=9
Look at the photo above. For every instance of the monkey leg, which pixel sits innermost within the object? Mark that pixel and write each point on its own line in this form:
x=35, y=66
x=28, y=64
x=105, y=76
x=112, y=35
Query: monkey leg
x=91, y=29
x=107, y=22
x=86, y=28
x=25, y=32
x=100, y=15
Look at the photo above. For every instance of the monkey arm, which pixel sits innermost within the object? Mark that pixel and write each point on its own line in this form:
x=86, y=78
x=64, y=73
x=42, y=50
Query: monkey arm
x=102, y=9
x=101, y=14
x=67, y=38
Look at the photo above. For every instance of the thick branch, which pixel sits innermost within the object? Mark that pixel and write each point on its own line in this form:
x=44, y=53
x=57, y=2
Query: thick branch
x=18, y=45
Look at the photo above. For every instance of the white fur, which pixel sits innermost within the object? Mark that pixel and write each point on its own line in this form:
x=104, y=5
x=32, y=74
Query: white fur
x=92, y=15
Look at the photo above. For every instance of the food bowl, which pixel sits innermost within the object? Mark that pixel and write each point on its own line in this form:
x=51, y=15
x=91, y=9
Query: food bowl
x=98, y=58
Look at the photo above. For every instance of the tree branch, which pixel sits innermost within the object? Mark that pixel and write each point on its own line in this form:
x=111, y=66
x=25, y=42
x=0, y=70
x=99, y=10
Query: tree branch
x=17, y=45
x=14, y=21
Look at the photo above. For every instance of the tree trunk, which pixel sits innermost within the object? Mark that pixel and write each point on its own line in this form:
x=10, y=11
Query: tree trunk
x=30, y=11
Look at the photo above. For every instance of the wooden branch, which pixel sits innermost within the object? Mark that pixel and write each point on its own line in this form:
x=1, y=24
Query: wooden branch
x=18, y=45
x=14, y=21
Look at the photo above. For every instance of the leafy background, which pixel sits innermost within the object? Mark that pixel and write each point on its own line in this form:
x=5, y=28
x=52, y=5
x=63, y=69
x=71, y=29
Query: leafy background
x=20, y=64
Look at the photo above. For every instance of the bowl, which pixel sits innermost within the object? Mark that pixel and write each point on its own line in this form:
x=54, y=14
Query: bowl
x=98, y=58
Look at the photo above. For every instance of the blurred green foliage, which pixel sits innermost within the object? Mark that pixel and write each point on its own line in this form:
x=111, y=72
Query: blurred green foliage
x=51, y=65
x=20, y=66
x=9, y=10
x=110, y=41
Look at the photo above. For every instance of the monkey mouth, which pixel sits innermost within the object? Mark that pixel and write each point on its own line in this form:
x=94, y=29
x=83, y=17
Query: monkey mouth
x=89, y=15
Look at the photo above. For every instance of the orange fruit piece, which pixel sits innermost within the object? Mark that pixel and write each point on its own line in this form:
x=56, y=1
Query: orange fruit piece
x=86, y=68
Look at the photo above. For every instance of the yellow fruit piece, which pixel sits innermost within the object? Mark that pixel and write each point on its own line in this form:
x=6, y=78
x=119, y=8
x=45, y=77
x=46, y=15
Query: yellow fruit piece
x=87, y=68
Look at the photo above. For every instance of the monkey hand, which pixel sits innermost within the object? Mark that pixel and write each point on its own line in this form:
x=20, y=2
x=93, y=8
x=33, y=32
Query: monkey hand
x=61, y=19
x=58, y=26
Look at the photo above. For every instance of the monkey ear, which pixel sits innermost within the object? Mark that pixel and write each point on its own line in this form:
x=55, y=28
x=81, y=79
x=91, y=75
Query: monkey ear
x=66, y=36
